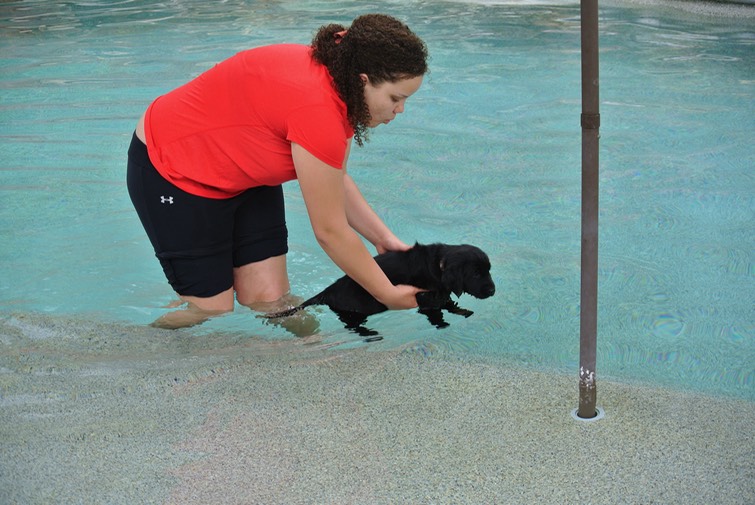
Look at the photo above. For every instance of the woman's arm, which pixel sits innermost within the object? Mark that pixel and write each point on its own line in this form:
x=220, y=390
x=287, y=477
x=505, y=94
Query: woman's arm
x=324, y=190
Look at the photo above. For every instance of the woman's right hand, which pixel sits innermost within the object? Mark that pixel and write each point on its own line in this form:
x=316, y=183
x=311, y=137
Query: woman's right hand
x=402, y=297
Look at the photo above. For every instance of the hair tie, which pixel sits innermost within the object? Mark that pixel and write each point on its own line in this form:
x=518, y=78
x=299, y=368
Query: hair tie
x=340, y=35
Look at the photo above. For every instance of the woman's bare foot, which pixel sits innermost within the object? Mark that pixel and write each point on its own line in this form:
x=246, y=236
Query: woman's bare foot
x=191, y=315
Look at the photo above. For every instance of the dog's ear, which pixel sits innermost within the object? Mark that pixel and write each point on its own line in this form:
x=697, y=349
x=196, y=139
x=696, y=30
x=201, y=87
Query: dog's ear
x=452, y=276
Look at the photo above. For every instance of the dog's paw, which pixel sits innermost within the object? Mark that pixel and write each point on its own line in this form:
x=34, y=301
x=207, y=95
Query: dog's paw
x=453, y=308
x=363, y=331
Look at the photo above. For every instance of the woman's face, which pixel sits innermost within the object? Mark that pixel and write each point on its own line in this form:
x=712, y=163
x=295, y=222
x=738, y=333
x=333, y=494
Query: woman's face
x=387, y=99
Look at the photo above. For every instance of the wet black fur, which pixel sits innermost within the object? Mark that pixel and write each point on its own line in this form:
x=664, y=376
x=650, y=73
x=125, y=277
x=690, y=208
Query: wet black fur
x=439, y=268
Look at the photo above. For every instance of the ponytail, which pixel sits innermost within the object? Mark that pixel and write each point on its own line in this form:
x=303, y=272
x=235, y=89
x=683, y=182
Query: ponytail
x=325, y=43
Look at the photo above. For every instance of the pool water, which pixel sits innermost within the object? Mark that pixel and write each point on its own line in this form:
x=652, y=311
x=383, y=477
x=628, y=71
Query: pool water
x=487, y=153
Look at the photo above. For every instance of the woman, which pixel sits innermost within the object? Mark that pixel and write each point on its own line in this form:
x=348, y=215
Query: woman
x=208, y=159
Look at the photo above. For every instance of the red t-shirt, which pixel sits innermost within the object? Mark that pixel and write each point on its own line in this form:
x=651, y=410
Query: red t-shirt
x=231, y=128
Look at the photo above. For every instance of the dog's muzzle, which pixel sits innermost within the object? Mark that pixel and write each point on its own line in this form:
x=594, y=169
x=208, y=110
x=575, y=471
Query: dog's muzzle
x=485, y=291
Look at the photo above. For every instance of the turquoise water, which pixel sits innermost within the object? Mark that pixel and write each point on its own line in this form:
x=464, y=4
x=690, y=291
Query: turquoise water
x=487, y=153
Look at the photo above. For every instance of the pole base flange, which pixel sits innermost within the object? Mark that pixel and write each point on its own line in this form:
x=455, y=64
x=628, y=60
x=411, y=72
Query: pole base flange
x=599, y=411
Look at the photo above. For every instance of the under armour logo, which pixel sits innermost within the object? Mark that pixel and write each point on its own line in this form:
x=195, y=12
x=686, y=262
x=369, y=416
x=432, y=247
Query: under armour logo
x=166, y=200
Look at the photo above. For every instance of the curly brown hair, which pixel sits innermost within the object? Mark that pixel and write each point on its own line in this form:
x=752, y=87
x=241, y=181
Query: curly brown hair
x=378, y=45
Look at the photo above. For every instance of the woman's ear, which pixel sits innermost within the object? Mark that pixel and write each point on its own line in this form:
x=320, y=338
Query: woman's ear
x=365, y=78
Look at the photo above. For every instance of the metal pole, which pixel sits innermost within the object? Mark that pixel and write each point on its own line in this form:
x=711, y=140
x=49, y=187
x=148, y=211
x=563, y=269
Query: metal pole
x=590, y=121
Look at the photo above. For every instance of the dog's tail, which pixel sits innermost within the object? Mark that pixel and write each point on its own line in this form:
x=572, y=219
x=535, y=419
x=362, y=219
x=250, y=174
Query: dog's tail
x=291, y=311
x=282, y=313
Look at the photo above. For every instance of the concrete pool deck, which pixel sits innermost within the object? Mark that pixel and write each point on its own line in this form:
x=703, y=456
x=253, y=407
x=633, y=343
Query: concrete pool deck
x=96, y=413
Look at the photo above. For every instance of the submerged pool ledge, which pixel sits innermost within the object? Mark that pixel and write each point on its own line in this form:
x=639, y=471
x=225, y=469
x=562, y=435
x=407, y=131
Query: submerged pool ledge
x=126, y=414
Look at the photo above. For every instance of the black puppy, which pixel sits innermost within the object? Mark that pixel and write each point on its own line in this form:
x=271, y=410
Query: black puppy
x=441, y=269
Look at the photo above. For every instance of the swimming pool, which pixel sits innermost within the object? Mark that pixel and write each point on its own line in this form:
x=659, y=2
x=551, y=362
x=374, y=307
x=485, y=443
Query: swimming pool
x=487, y=153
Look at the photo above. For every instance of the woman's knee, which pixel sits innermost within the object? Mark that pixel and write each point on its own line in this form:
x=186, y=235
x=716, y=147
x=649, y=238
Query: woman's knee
x=196, y=310
x=262, y=281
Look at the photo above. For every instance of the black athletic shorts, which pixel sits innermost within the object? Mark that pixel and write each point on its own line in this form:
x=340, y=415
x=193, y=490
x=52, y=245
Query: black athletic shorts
x=200, y=240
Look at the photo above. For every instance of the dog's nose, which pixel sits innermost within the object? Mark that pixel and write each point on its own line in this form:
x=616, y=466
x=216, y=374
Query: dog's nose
x=490, y=290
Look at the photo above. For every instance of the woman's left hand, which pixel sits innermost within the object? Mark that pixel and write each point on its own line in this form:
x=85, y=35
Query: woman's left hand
x=391, y=244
